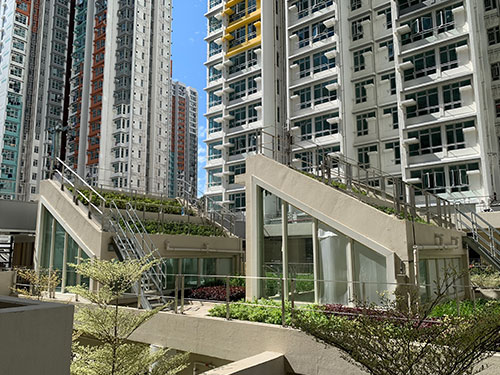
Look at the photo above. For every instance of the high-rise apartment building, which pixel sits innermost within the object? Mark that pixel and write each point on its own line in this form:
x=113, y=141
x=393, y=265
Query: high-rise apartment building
x=34, y=46
x=246, y=84
x=184, y=142
x=407, y=87
x=119, y=123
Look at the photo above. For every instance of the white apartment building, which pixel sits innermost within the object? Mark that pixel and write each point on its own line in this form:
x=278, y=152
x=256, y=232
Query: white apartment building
x=121, y=94
x=34, y=44
x=246, y=77
x=405, y=86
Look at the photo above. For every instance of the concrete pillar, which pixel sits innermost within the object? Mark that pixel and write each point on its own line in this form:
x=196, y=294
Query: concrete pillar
x=284, y=245
x=78, y=261
x=52, y=245
x=316, y=259
x=65, y=265
x=350, y=269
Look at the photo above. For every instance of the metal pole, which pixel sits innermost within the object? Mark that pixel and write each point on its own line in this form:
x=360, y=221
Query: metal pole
x=182, y=293
x=284, y=245
x=176, y=302
x=64, y=264
x=228, y=297
x=283, y=312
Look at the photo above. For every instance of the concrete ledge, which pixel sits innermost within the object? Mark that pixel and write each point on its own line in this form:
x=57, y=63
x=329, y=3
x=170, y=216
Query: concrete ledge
x=35, y=337
x=239, y=340
x=260, y=364
x=6, y=282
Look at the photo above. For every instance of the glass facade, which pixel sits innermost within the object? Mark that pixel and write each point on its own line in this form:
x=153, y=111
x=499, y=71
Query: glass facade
x=52, y=230
x=318, y=263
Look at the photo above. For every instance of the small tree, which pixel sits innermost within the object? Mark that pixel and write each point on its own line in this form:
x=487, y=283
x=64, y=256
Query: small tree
x=112, y=326
x=37, y=282
x=403, y=338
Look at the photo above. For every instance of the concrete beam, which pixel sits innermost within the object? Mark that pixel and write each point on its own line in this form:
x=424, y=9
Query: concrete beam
x=264, y=363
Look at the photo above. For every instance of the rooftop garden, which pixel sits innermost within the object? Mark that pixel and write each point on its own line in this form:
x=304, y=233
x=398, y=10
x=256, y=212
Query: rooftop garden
x=139, y=202
x=182, y=228
x=387, y=210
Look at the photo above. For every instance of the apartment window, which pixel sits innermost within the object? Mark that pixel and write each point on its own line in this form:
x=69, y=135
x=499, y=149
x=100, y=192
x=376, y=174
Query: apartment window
x=359, y=59
x=393, y=113
x=323, y=127
x=322, y=63
x=363, y=157
x=304, y=36
x=424, y=64
x=455, y=139
x=238, y=11
x=321, y=32
x=429, y=142
x=240, y=117
x=420, y=27
x=452, y=96
x=432, y=180
x=495, y=71
x=493, y=35
x=388, y=17
x=322, y=94
x=497, y=108
x=213, y=153
x=214, y=49
x=490, y=4
x=427, y=102
x=252, y=112
x=390, y=49
x=252, y=85
x=357, y=28
x=214, y=24
x=213, y=100
x=304, y=65
x=214, y=180
x=360, y=91
x=213, y=125
x=252, y=31
x=305, y=129
x=304, y=97
x=391, y=77
x=239, y=201
x=214, y=3
x=243, y=144
x=459, y=180
x=356, y=4
x=236, y=170
x=214, y=74
x=239, y=88
x=448, y=56
x=445, y=20
x=239, y=37
x=397, y=151
x=362, y=123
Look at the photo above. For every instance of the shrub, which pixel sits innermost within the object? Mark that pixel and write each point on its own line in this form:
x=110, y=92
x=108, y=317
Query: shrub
x=181, y=228
x=218, y=293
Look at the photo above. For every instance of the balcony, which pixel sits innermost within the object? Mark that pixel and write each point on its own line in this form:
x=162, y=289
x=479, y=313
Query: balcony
x=424, y=32
x=308, y=45
x=298, y=17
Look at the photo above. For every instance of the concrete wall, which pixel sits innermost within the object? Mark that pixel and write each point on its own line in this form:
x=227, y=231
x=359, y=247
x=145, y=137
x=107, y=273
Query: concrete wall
x=238, y=340
x=260, y=364
x=6, y=282
x=35, y=337
x=17, y=216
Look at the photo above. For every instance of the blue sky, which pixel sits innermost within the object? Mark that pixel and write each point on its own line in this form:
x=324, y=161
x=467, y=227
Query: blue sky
x=188, y=55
